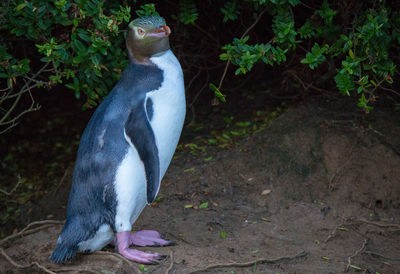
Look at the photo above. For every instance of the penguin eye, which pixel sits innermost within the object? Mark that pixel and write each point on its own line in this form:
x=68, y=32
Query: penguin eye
x=140, y=32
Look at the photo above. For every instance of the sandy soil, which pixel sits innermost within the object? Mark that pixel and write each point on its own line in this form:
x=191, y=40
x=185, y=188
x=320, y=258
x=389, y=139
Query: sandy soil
x=316, y=192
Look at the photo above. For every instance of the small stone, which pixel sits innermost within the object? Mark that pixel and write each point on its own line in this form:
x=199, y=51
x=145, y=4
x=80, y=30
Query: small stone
x=266, y=192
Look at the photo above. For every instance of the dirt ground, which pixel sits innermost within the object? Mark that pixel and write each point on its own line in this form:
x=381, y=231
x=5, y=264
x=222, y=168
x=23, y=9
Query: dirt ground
x=316, y=192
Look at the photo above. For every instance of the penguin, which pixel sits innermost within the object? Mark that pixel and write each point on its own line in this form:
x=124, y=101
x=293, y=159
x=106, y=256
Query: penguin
x=126, y=149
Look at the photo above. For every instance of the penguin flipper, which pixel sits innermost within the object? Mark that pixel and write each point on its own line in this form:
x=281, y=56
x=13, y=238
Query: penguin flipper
x=140, y=135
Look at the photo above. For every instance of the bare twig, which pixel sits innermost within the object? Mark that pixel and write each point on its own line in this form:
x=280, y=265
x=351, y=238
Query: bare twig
x=192, y=80
x=349, y=222
x=258, y=261
x=20, y=266
x=8, y=193
x=76, y=270
x=11, y=261
x=116, y=255
x=333, y=233
x=171, y=264
x=10, y=123
x=200, y=91
x=5, y=120
x=43, y=268
x=27, y=230
x=36, y=81
x=254, y=23
x=355, y=254
x=4, y=89
x=391, y=90
x=224, y=73
x=380, y=255
x=179, y=238
x=380, y=224
x=208, y=34
x=306, y=86
x=61, y=181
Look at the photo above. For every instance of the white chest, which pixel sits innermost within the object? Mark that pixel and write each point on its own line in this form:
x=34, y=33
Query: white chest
x=169, y=107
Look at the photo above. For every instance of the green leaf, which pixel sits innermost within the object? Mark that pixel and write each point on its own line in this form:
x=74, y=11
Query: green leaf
x=294, y=2
x=203, y=205
x=147, y=9
x=189, y=169
x=96, y=59
x=224, y=56
x=188, y=12
x=75, y=22
x=223, y=235
x=217, y=93
x=355, y=267
x=363, y=103
x=351, y=54
x=84, y=35
x=316, y=56
x=307, y=30
x=326, y=12
x=143, y=268
x=243, y=124
x=20, y=6
x=231, y=10
x=79, y=47
x=344, y=83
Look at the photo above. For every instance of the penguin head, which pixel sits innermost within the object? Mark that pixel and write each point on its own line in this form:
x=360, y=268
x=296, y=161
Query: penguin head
x=147, y=36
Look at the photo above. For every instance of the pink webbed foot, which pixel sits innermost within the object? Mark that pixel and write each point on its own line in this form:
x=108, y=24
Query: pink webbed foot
x=148, y=238
x=124, y=239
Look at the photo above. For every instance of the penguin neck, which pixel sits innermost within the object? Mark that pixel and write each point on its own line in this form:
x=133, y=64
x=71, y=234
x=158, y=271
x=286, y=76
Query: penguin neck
x=139, y=60
x=144, y=60
x=140, y=53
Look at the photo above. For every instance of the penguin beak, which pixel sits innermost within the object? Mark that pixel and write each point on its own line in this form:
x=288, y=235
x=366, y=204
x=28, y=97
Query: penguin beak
x=162, y=31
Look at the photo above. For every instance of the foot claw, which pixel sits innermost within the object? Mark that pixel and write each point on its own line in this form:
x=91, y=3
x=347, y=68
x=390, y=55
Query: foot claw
x=171, y=243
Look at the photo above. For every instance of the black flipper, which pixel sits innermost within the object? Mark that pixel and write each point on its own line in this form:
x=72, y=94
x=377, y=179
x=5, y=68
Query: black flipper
x=141, y=135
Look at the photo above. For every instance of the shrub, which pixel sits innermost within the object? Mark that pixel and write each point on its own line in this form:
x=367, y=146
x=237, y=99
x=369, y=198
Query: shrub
x=73, y=43
x=363, y=48
x=78, y=44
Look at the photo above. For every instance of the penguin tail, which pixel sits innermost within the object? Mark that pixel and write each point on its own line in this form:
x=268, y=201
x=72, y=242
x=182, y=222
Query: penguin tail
x=63, y=253
x=67, y=243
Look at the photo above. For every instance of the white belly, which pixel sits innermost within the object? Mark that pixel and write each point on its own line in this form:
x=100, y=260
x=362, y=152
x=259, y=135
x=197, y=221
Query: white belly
x=169, y=109
x=130, y=189
x=103, y=236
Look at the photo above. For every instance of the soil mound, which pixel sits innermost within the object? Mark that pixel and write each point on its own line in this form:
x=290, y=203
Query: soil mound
x=316, y=192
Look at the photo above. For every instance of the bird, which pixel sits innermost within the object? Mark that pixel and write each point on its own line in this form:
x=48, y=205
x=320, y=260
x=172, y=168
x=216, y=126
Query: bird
x=126, y=149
